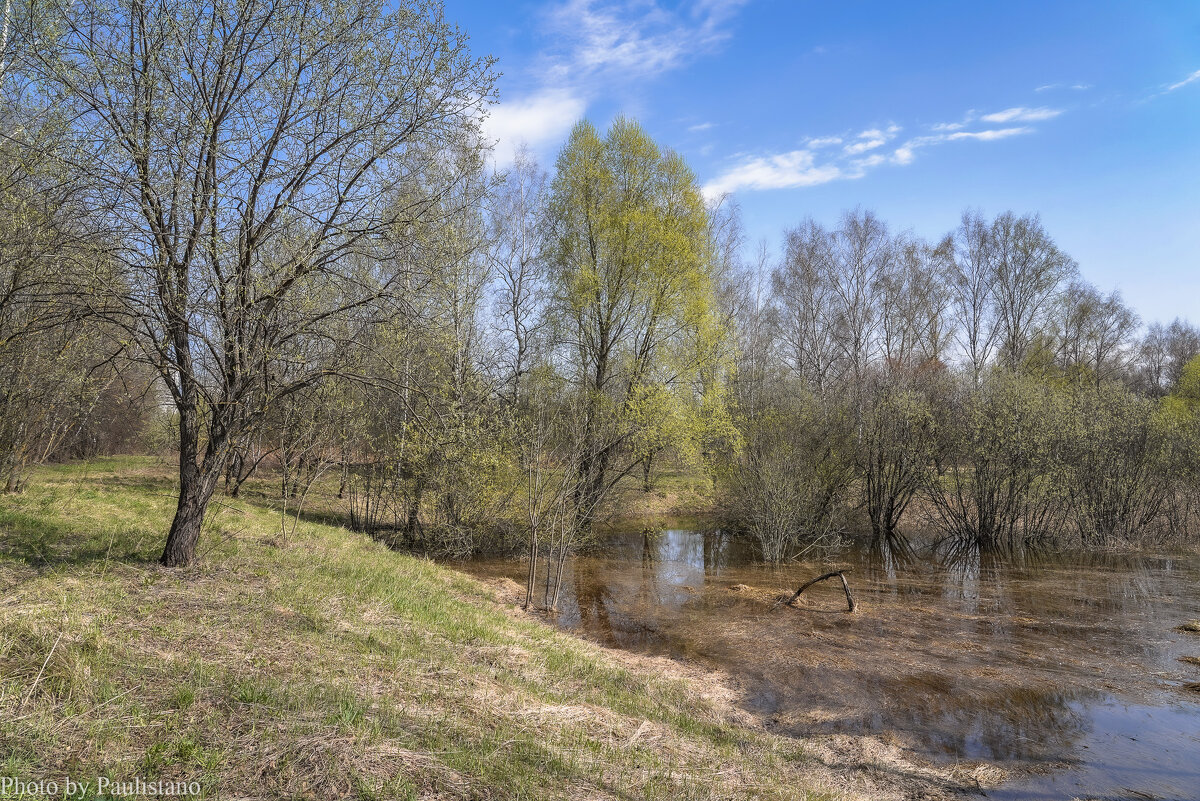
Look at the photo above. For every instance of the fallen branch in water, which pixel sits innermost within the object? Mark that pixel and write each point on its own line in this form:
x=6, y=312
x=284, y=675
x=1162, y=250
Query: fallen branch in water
x=840, y=574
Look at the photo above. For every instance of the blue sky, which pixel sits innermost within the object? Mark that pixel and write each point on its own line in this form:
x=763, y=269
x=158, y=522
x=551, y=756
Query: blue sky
x=1085, y=112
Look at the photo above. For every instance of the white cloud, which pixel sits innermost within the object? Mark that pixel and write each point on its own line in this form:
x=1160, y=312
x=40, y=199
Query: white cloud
x=871, y=139
x=1195, y=76
x=863, y=145
x=860, y=166
x=539, y=120
x=988, y=136
x=1078, y=87
x=807, y=167
x=636, y=36
x=904, y=154
x=599, y=41
x=1022, y=114
x=824, y=141
x=703, y=126
x=790, y=170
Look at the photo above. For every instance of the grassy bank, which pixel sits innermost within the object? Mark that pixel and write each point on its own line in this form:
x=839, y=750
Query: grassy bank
x=320, y=665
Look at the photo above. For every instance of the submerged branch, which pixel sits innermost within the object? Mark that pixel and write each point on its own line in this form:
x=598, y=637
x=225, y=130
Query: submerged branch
x=851, y=606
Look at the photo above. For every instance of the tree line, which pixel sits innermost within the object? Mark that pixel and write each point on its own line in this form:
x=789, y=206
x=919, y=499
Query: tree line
x=263, y=235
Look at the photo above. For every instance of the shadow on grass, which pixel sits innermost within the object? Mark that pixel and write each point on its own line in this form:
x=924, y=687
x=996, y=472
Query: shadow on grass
x=141, y=483
x=318, y=512
x=42, y=543
x=38, y=526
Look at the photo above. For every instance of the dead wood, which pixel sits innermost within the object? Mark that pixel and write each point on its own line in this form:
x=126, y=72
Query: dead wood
x=840, y=574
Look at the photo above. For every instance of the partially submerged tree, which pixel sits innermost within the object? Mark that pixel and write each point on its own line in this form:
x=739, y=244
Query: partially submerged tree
x=788, y=485
x=1118, y=458
x=999, y=484
x=896, y=452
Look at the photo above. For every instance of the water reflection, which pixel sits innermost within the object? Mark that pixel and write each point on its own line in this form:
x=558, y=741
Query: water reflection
x=1019, y=657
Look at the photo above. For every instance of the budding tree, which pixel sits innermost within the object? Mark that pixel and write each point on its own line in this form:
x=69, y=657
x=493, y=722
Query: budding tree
x=254, y=157
x=631, y=272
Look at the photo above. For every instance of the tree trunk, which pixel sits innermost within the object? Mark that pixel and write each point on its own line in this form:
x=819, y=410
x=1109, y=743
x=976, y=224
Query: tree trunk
x=197, y=482
x=413, y=517
x=533, y=552
x=195, y=491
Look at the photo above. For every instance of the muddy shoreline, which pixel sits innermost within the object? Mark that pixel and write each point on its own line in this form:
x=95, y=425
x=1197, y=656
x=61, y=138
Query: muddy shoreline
x=1035, y=679
x=854, y=766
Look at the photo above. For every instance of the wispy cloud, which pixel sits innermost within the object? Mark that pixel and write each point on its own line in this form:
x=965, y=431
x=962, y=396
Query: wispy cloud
x=815, y=164
x=789, y=170
x=984, y=136
x=537, y=120
x=1077, y=87
x=871, y=139
x=1022, y=114
x=1195, y=76
x=825, y=141
x=636, y=36
x=702, y=126
x=597, y=43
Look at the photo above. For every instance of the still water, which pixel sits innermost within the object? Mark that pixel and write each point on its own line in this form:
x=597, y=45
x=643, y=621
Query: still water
x=1066, y=670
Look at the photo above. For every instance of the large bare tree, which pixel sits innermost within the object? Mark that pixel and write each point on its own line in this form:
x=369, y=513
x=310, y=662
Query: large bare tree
x=254, y=158
x=1028, y=271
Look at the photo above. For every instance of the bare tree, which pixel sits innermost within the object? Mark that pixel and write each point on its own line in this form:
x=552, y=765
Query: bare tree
x=1163, y=353
x=54, y=368
x=516, y=250
x=804, y=302
x=1093, y=331
x=1028, y=270
x=254, y=156
x=752, y=329
x=863, y=254
x=972, y=281
x=914, y=299
x=1182, y=344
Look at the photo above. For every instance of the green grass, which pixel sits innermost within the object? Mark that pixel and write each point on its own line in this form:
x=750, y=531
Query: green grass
x=322, y=665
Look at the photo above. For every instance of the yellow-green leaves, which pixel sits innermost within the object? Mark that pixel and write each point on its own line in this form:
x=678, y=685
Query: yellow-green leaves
x=634, y=302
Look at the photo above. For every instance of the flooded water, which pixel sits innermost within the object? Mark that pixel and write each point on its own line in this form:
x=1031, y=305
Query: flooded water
x=1066, y=670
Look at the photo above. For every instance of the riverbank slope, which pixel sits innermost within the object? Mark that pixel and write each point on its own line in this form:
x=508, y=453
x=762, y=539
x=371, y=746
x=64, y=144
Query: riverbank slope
x=314, y=663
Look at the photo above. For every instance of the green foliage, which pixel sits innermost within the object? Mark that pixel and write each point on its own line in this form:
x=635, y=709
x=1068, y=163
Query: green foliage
x=1118, y=457
x=633, y=301
x=789, y=486
x=1187, y=390
x=998, y=483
